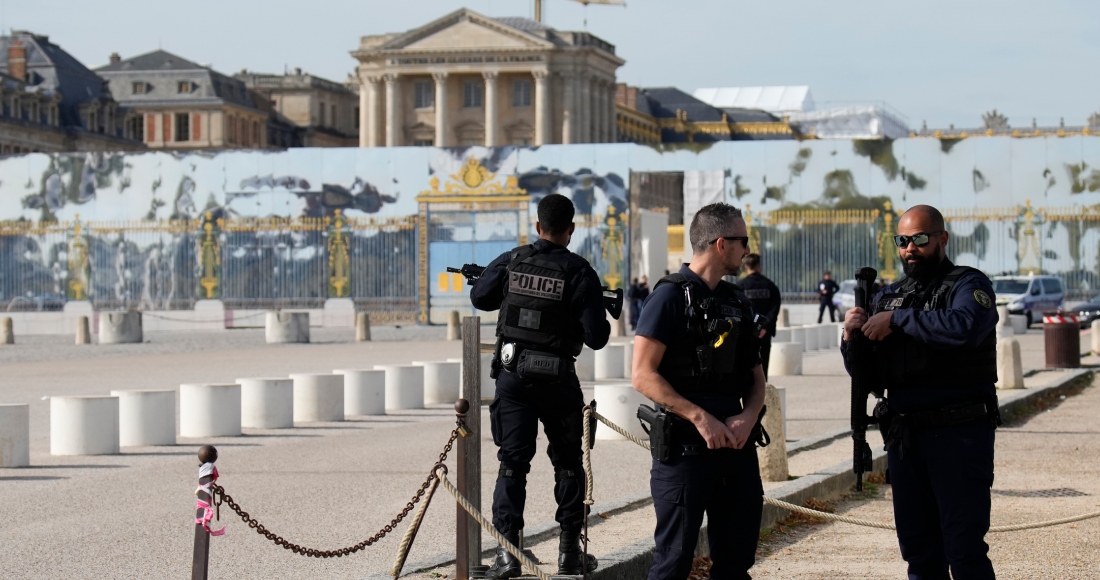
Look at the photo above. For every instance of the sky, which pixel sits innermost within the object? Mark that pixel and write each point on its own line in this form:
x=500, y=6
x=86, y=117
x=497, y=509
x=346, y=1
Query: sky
x=937, y=61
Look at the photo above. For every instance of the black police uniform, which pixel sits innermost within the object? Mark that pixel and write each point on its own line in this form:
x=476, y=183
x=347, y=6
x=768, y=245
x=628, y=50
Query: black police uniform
x=723, y=483
x=765, y=299
x=551, y=304
x=938, y=367
x=826, y=289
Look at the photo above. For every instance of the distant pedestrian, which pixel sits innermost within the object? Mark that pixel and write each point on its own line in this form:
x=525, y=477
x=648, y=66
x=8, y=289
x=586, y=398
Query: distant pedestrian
x=826, y=289
x=764, y=295
x=639, y=291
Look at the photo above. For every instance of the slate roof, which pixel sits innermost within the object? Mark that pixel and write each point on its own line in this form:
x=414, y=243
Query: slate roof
x=522, y=23
x=663, y=102
x=50, y=67
x=162, y=70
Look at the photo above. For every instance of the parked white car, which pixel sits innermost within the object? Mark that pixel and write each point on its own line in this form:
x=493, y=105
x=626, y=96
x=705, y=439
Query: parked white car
x=1029, y=295
x=845, y=298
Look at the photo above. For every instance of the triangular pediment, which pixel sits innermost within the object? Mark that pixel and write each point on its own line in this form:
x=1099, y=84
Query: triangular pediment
x=465, y=29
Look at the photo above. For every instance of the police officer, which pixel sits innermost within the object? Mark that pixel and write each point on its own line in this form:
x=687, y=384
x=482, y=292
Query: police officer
x=696, y=354
x=826, y=289
x=765, y=299
x=934, y=333
x=551, y=305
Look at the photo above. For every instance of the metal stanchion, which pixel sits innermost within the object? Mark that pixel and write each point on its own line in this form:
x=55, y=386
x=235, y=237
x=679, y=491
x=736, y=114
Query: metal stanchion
x=201, y=562
x=468, y=459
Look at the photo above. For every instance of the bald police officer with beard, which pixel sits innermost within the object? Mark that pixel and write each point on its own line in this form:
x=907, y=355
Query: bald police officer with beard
x=934, y=341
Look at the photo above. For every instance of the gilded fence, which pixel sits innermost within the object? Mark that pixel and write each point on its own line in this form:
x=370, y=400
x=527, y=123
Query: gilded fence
x=247, y=263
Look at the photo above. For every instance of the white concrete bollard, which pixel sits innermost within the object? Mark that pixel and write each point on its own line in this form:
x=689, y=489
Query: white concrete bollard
x=286, y=327
x=619, y=403
x=120, y=327
x=812, y=338
x=267, y=403
x=782, y=335
x=586, y=364
x=83, y=331
x=362, y=326
x=146, y=417
x=1004, y=332
x=84, y=425
x=210, y=410
x=798, y=335
x=609, y=362
x=405, y=386
x=1003, y=317
x=318, y=397
x=454, y=326
x=618, y=325
x=786, y=359
x=773, y=458
x=827, y=337
x=442, y=382
x=364, y=391
x=7, y=334
x=1095, y=326
x=1019, y=323
x=784, y=319
x=628, y=360
x=15, y=435
x=1010, y=367
x=488, y=384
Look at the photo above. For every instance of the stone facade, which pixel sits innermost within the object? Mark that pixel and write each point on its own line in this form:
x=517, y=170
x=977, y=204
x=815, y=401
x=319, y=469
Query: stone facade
x=467, y=79
x=178, y=104
x=326, y=113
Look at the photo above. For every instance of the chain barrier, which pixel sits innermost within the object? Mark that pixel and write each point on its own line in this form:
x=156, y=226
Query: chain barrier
x=441, y=471
x=219, y=497
x=817, y=513
x=199, y=321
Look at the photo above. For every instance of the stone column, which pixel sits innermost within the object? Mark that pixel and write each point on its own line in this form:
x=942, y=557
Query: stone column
x=584, y=112
x=393, y=116
x=568, y=109
x=600, y=103
x=440, y=79
x=372, y=113
x=613, y=115
x=364, y=114
x=542, y=108
x=490, y=108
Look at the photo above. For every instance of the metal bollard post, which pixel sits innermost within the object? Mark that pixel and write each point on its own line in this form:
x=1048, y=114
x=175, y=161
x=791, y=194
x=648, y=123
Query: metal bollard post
x=468, y=458
x=362, y=326
x=7, y=335
x=83, y=332
x=200, y=564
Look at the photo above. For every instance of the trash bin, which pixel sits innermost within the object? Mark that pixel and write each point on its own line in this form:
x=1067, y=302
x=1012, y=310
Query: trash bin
x=1062, y=337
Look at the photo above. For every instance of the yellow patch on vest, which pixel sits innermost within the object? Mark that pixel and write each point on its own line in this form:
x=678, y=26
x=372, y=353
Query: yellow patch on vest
x=982, y=299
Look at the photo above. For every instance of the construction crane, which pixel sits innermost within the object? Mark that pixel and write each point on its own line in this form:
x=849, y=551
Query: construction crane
x=538, y=6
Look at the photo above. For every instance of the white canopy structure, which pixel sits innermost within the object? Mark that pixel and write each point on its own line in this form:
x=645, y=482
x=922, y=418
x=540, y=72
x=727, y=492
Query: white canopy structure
x=856, y=122
x=775, y=100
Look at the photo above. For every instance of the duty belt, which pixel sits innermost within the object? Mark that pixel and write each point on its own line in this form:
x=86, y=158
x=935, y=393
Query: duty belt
x=945, y=417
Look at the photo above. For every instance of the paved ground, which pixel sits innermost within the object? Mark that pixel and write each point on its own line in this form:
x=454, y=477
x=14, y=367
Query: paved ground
x=325, y=485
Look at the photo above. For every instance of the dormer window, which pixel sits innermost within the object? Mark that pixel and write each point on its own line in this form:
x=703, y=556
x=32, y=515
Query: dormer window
x=142, y=88
x=185, y=87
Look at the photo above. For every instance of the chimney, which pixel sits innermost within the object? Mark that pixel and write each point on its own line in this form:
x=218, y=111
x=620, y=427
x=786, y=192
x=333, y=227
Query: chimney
x=297, y=71
x=115, y=58
x=17, y=60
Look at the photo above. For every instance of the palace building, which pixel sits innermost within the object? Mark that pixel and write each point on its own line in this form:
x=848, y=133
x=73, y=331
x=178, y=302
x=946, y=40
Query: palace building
x=467, y=79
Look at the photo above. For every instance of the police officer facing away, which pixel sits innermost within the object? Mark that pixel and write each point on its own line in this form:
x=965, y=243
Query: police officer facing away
x=933, y=335
x=696, y=354
x=551, y=304
x=765, y=299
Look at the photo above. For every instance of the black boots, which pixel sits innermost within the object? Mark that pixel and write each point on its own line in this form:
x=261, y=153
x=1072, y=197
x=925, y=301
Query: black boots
x=505, y=565
x=571, y=558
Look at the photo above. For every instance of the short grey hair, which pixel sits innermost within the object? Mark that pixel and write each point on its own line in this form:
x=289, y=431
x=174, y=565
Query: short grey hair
x=710, y=223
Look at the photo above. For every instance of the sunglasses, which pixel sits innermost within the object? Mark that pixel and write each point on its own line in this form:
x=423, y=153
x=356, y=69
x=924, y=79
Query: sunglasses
x=744, y=240
x=919, y=240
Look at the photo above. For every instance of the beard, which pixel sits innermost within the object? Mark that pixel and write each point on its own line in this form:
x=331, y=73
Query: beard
x=922, y=268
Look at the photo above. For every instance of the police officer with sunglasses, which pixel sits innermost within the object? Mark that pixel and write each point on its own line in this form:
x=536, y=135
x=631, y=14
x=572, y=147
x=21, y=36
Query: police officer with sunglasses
x=933, y=335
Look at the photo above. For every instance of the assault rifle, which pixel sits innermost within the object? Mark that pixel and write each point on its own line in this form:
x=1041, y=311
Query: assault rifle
x=859, y=360
x=612, y=299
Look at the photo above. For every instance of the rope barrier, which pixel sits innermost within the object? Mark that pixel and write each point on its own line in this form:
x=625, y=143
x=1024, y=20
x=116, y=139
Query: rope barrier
x=589, y=484
x=441, y=476
x=817, y=513
x=410, y=534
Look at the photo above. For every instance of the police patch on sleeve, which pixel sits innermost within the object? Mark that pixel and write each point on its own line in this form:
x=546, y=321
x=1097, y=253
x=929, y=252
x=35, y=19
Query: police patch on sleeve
x=982, y=299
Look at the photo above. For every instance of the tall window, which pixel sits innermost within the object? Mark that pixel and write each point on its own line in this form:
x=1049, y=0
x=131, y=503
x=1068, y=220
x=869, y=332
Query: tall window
x=332, y=110
x=471, y=94
x=521, y=93
x=321, y=113
x=424, y=94
x=183, y=127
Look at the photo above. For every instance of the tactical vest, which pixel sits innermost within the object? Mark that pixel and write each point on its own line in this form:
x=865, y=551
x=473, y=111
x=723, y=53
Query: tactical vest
x=536, y=307
x=910, y=363
x=704, y=358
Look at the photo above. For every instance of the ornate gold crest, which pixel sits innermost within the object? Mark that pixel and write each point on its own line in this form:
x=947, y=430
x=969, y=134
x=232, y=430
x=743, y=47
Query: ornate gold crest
x=473, y=179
